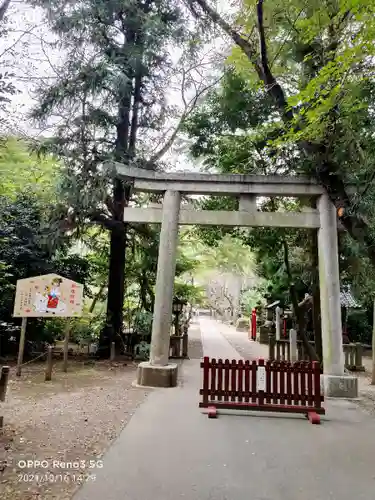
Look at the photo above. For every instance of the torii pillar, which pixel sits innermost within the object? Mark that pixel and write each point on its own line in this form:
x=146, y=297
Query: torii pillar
x=335, y=381
x=158, y=372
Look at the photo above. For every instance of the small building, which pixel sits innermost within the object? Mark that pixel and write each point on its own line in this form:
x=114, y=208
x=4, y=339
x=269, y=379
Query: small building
x=348, y=302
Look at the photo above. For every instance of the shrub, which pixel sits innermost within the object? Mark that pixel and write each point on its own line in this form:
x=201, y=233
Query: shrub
x=143, y=323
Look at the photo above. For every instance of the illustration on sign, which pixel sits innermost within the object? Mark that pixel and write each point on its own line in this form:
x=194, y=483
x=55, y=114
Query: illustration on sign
x=49, y=299
x=48, y=295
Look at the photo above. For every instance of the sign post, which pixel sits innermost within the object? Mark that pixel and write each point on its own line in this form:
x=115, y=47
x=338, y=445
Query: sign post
x=45, y=296
x=66, y=346
x=21, y=346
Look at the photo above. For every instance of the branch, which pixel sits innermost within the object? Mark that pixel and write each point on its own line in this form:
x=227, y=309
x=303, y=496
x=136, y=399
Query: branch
x=272, y=86
x=189, y=107
x=368, y=185
x=261, y=66
x=97, y=296
x=245, y=45
x=3, y=9
x=293, y=27
x=110, y=224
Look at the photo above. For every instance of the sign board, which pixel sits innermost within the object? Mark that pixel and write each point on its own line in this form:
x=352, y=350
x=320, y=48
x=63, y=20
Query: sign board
x=48, y=296
x=261, y=378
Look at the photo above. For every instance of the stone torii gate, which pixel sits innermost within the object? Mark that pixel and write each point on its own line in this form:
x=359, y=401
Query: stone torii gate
x=158, y=372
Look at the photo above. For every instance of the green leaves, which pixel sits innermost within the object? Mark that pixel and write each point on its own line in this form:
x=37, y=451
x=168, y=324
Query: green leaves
x=22, y=171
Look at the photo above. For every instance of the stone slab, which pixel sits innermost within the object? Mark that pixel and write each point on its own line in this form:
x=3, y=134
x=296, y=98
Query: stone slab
x=226, y=218
x=340, y=386
x=157, y=376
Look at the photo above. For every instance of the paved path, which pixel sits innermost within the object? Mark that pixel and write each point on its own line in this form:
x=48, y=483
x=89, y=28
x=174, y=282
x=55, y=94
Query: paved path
x=239, y=340
x=170, y=451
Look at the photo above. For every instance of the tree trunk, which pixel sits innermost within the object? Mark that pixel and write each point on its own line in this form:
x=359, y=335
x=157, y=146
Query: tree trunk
x=144, y=288
x=115, y=302
x=96, y=298
x=121, y=195
x=298, y=311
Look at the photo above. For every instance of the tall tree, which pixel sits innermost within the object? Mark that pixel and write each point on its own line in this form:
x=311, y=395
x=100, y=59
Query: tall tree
x=110, y=98
x=7, y=87
x=312, y=59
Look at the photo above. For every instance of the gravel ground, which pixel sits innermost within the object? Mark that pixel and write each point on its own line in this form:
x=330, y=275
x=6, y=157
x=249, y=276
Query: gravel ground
x=73, y=418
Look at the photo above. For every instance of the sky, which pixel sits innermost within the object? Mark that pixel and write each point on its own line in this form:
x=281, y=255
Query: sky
x=27, y=53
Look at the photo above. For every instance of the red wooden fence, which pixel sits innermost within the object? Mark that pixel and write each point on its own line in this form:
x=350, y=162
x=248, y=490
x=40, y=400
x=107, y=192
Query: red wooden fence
x=262, y=386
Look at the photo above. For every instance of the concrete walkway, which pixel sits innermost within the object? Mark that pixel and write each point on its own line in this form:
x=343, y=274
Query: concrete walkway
x=170, y=450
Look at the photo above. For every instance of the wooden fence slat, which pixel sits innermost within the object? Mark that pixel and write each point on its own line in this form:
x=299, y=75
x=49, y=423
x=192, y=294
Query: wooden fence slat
x=219, y=379
x=253, y=381
x=296, y=392
x=240, y=381
x=303, y=382
x=226, y=379
x=275, y=374
x=282, y=382
x=247, y=381
x=233, y=384
x=213, y=378
x=310, y=398
x=288, y=384
x=268, y=382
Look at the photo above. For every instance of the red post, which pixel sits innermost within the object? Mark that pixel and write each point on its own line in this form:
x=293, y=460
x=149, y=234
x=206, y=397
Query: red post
x=206, y=371
x=316, y=375
x=313, y=415
x=284, y=332
x=254, y=324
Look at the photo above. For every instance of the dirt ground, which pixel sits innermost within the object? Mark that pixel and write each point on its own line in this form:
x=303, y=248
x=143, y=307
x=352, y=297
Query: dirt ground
x=69, y=421
x=366, y=390
x=65, y=425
